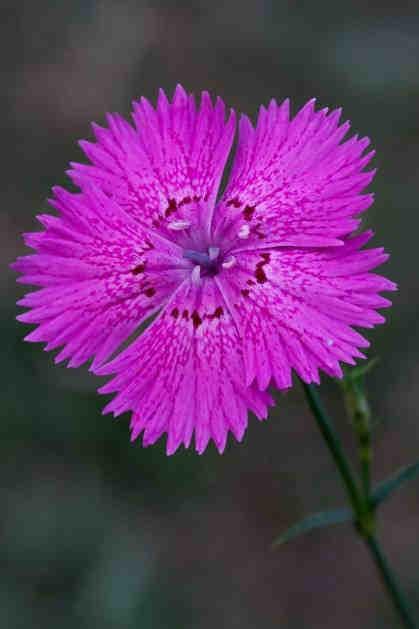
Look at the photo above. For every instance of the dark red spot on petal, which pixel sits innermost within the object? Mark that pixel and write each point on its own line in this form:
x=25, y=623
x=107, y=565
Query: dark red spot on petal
x=175, y=313
x=149, y=292
x=172, y=207
x=245, y=292
x=185, y=200
x=217, y=314
x=248, y=212
x=234, y=202
x=258, y=232
x=196, y=198
x=185, y=314
x=196, y=319
x=250, y=282
x=138, y=269
x=260, y=275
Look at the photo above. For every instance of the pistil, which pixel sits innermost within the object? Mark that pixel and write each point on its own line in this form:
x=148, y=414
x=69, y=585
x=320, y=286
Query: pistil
x=207, y=263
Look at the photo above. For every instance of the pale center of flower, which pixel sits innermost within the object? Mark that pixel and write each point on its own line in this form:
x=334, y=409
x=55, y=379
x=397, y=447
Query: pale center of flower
x=207, y=263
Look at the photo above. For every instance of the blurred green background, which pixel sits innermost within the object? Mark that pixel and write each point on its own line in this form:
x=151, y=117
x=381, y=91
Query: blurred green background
x=99, y=533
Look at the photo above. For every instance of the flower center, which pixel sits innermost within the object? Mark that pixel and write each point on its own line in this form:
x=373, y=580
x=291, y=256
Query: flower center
x=207, y=263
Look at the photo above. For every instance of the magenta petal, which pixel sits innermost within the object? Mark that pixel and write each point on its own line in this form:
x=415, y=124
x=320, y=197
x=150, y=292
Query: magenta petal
x=189, y=379
x=169, y=166
x=296, y=309
x=294, y=182
x=99, y=276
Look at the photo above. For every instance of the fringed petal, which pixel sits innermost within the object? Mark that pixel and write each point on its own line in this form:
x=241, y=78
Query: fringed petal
x=294, y=182
x=184, y=375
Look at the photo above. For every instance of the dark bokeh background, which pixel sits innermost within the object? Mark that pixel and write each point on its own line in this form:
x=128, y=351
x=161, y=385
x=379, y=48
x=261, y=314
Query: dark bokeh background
x=98, y=533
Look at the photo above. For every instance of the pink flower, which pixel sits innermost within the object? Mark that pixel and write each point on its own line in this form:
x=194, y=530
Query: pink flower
x=244, y=289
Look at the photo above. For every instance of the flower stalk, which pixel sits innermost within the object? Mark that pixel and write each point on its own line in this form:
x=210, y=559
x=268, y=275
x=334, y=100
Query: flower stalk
x=359, y=494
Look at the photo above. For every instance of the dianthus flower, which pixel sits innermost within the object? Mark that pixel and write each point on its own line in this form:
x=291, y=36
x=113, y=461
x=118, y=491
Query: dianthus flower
x=244, y=288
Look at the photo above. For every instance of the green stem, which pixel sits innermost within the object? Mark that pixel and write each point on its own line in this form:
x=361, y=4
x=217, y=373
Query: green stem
x=390, y=582
x=334, y=445
x=365, y=459
x=361, y=504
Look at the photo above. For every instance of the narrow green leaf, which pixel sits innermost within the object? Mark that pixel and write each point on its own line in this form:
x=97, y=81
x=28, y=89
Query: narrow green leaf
x=355, y=373
x=314, y=521
x=383, y=490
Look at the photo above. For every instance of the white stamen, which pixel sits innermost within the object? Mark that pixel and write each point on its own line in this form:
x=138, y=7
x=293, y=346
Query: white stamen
x=179, y=225
x=227, y=264
x=244, y=232
x=213, y=253
x=196, y=274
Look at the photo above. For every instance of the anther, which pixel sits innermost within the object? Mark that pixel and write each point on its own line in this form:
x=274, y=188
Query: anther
x=244, y=232
x=227, y=264
x=213, y=253
x=196, y=274
x=179, y=225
